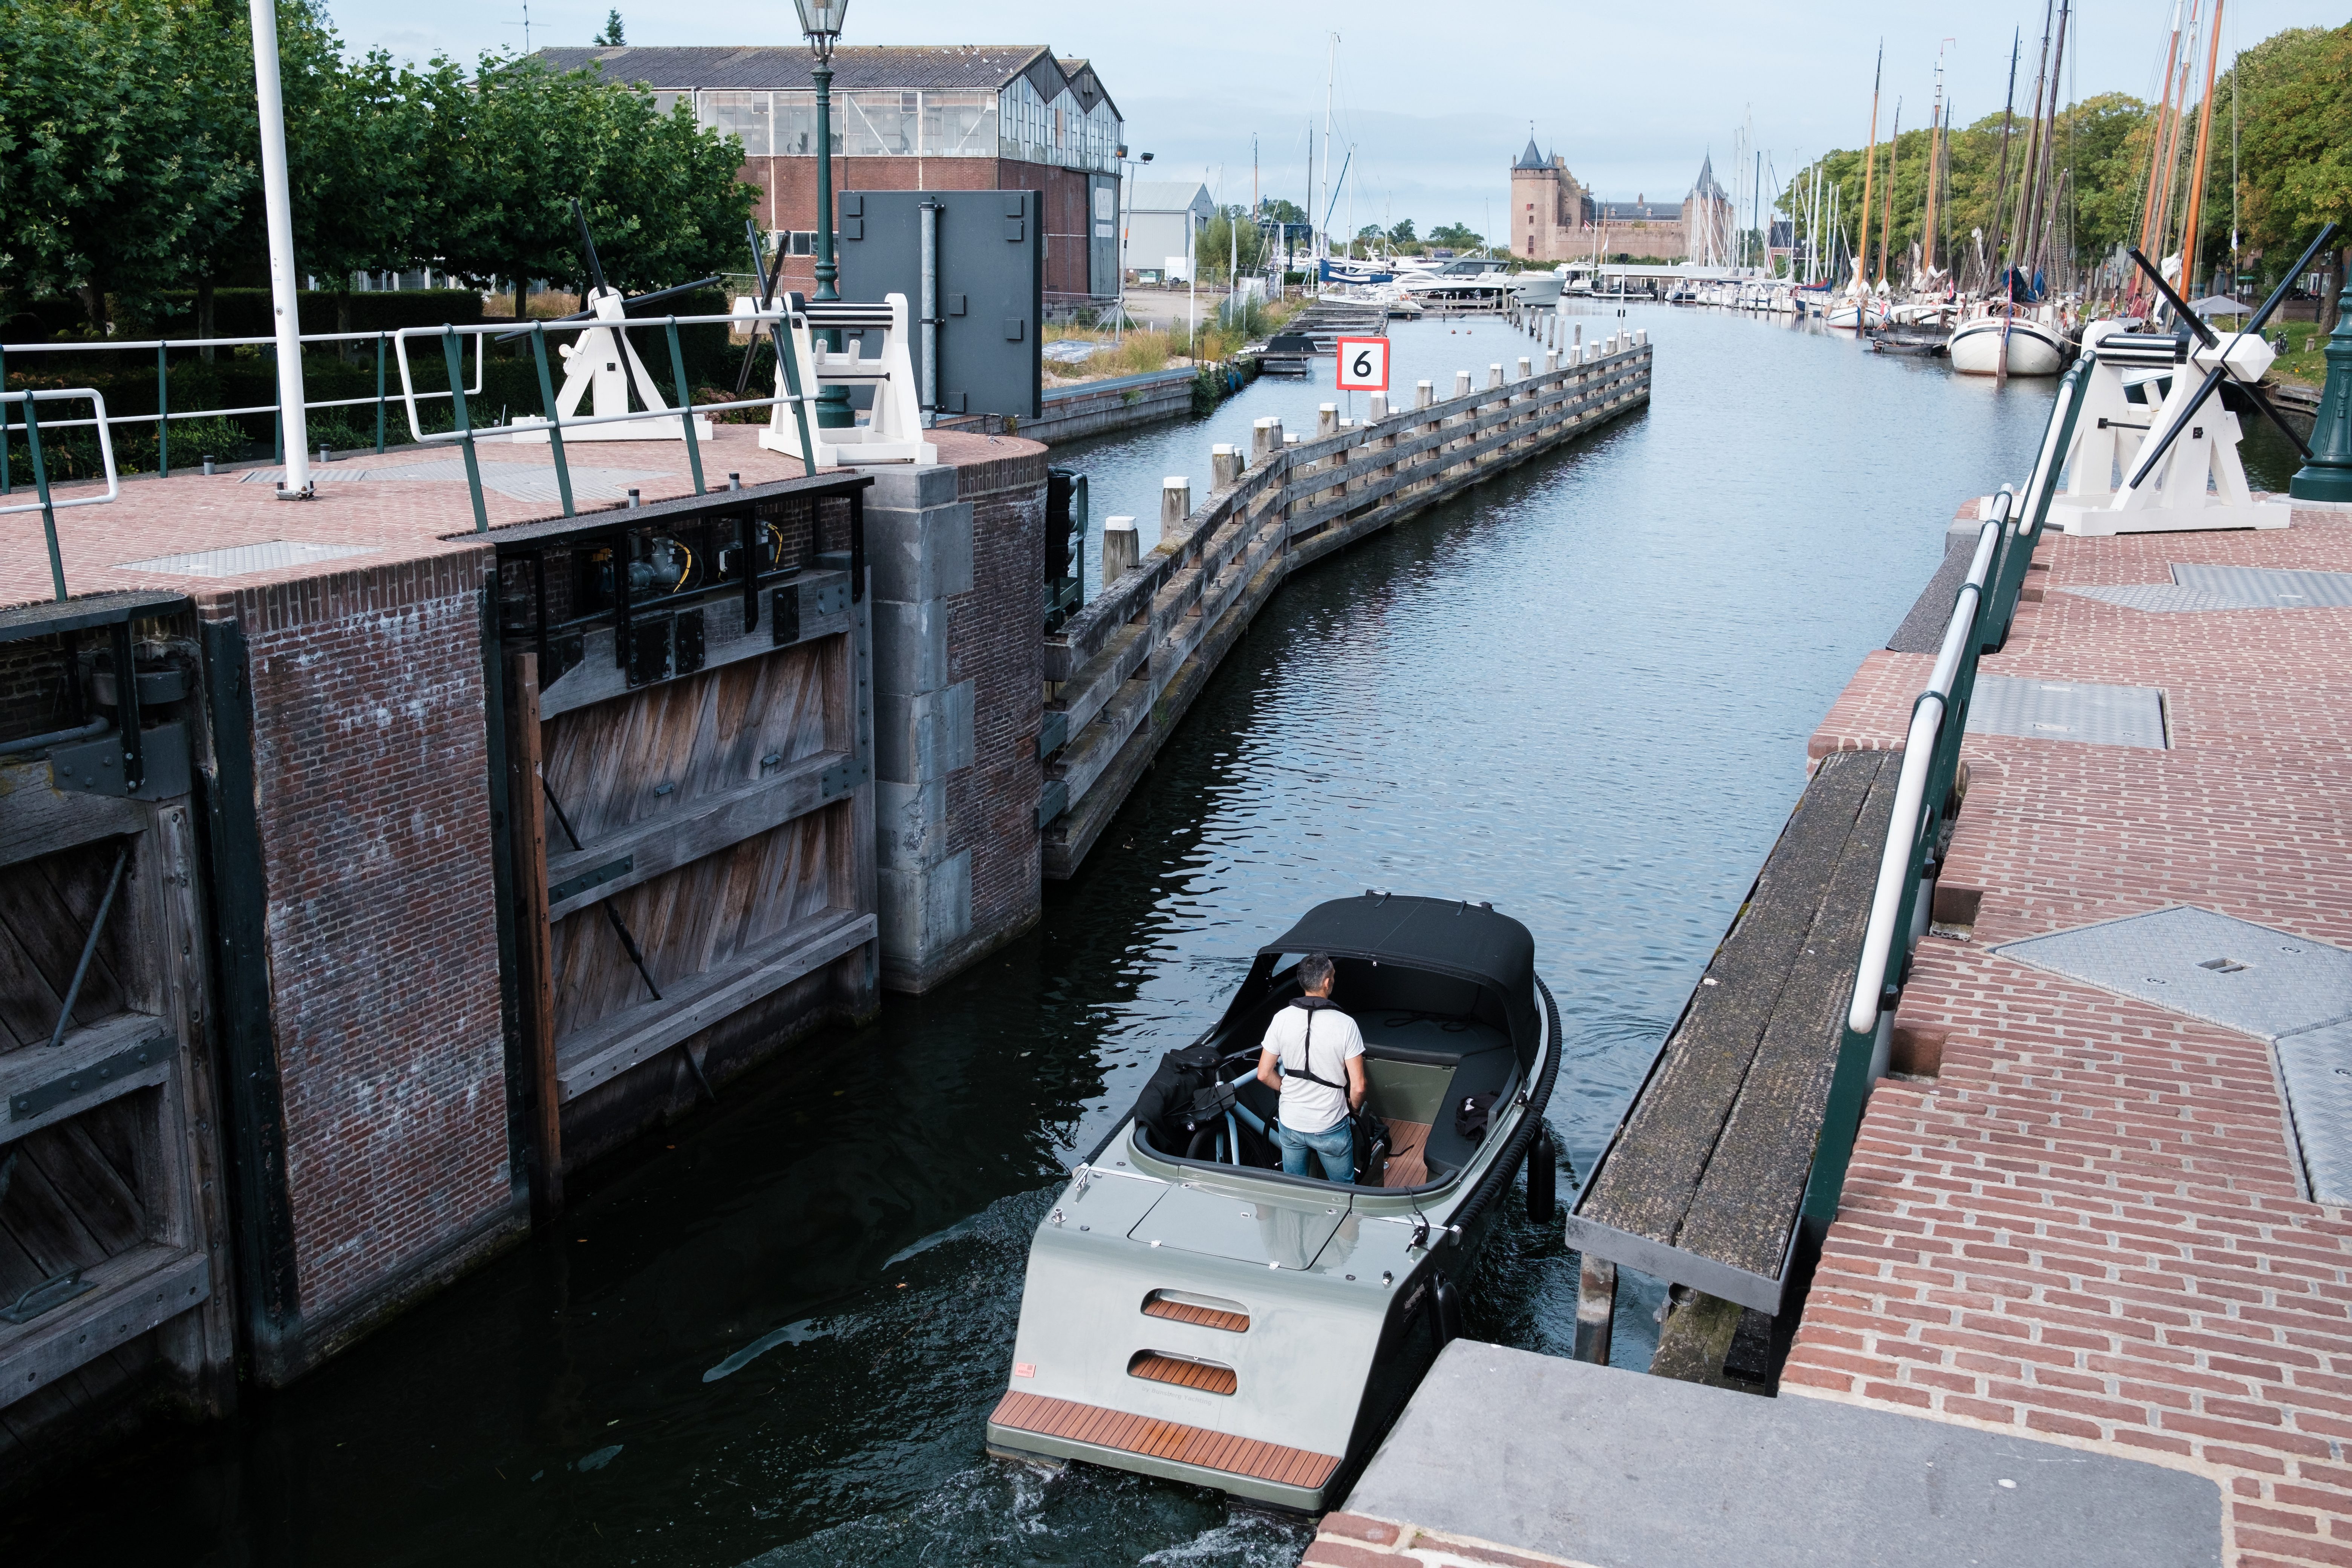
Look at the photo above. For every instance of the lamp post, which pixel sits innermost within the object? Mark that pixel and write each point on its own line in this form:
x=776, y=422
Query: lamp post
x=821, y=24
x=2328, y=478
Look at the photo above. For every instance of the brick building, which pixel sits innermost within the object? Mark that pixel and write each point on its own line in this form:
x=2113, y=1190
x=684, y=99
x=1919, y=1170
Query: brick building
x=1556, y=218
x=985, y=117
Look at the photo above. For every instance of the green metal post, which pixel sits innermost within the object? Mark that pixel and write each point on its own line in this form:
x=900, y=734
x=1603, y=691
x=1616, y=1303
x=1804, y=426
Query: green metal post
x=833, y=410
x=41, y=484
x=163, y=415
x=790, y=366
x=277, y=406
x=456, y=357
x=379, y=393
x=554, y=418
x=6, y=487
x=685, y=405
x=2328, y=476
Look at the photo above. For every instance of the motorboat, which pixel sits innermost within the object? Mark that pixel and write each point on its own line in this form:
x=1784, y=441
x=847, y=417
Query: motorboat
x=2031, y=339
x=1192, y=1312
x=1475, y=282
x=1537, y=289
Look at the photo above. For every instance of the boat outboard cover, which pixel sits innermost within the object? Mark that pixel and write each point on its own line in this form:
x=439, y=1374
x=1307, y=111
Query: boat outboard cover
x=1167, y=1104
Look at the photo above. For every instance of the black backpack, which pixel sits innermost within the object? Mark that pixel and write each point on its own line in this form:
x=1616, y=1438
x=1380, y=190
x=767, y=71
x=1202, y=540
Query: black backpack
x=1474, y=1116
x=1166, y=1107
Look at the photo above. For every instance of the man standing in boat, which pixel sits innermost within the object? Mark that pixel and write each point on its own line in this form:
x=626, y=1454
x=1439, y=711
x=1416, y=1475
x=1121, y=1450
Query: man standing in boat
x=1314, y=1056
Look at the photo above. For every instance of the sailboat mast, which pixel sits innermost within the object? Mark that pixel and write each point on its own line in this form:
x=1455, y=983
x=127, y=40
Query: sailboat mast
x=2044, y=197
x=1887, y=223
x=1934, y=141
x=2020, y=240
x=2197, y=179
x=1330, y=80
x=1869, y=171
x=2001, y=186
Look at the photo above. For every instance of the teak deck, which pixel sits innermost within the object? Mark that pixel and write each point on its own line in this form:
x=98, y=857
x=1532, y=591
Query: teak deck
x=1408, y=1154
x=1184, y=1373
x=1703, y=1180
x=1068, y=1419
x=1207, y=1317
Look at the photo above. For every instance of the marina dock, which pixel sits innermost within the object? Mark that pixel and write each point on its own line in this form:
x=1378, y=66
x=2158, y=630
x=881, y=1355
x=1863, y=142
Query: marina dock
x=2096, y=1204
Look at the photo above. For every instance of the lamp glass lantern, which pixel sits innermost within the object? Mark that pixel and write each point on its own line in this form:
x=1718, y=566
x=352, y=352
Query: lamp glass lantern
x=821, y=21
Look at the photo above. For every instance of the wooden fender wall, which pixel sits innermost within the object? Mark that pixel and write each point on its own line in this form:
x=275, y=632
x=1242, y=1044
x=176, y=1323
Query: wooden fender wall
x=1122, y=671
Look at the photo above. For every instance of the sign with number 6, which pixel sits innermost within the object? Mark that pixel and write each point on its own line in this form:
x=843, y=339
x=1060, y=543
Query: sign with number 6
x=1363, y=364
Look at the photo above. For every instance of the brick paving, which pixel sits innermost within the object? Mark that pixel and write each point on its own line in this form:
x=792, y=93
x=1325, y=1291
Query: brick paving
x=401, y=518
x=2087, y=1229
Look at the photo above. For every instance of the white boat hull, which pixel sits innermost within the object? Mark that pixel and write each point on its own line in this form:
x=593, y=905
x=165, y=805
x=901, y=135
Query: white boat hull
x=1849, y=315
x=2033, y=348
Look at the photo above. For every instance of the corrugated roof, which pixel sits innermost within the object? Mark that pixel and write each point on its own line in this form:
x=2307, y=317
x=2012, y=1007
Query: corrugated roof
x=868, y=67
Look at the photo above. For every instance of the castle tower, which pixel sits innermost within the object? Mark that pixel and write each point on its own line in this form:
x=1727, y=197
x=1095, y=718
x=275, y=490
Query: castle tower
x=1547, y=207
x=1707, y=219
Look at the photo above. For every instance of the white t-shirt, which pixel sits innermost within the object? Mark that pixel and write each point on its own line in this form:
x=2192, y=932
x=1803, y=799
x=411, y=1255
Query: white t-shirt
x=1309, y=1107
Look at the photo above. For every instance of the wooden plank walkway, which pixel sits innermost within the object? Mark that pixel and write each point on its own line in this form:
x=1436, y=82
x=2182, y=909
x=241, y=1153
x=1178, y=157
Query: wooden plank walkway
x=1130, y=1433
x=1702, y=1181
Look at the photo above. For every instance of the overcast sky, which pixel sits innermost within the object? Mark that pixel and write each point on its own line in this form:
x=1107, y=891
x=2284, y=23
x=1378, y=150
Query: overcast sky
x=1633, y=98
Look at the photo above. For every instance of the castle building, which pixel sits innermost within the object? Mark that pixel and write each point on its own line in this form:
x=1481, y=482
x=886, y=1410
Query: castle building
x=1556, y=218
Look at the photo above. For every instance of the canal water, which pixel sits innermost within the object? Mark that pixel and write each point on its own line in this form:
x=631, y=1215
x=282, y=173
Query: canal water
x=771, y=1337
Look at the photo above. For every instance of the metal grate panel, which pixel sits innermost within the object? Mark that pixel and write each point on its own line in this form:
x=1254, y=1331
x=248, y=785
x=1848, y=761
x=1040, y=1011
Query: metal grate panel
x=277, y=555
x=2289, y=990
x=2229, y=589
x=2067, y=710
x=2316, y=1068
x=2228, y=972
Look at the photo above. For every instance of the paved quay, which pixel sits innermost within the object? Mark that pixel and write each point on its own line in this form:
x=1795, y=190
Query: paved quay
x=2085, y=1221
x=2093, y=1226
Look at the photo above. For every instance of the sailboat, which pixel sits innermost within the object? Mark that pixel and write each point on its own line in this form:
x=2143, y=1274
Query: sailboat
x=2018, y=330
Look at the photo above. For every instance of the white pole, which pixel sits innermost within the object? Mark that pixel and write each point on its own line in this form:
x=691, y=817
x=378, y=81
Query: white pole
x=277, y=205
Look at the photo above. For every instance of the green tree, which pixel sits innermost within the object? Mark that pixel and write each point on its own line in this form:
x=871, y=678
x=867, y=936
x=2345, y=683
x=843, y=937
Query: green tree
x=1401, y=233
x=611, y=36
x=1456, y=235
x=119, y=158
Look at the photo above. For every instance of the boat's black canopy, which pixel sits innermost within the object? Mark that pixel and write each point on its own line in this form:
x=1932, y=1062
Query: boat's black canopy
x=1381, y=941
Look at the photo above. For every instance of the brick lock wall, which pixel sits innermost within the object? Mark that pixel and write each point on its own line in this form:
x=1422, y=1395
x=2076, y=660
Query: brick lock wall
x=370, y=757
x=996, y=640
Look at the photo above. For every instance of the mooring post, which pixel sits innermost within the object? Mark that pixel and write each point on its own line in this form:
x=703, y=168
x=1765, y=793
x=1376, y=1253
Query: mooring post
x=1326, y=420
x=1225, y=467
x=1596, y=1309
x=1552, y=360
x=1380, y=408
x=1526, y=367
x=1579, y=340
x=1262, y=439
x=1494, y=376
x=1175, y=506
x=1120, y=549
x=1424, y=393
x=1461, y=384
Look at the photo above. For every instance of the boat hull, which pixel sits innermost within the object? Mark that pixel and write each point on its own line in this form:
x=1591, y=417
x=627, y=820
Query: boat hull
x=1975, y=347
x=1231, y=1327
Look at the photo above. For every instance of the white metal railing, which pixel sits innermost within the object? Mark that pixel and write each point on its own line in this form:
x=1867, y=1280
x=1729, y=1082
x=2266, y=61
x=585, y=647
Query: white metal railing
x=33, y=425
x=1921, y=750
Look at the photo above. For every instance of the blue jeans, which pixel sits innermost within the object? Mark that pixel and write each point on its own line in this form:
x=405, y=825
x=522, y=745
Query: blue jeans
x=1335, y=1146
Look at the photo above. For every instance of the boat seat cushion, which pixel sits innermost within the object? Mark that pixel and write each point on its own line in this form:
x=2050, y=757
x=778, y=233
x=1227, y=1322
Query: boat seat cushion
x=1487, y=1072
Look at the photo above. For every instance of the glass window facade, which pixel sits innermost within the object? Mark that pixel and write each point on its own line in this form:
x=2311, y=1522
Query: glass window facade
x=1016, y=123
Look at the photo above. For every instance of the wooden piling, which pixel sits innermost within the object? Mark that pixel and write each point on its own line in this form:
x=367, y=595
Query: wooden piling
x=535, y=990
x=1175, y=505
x=1121, y=549
x=1596, y=1309
x=1494, y=376
x=1424, y=393
x=1225, y=467
x=1526, y=367
x=1262, y=440
x=1327, y=421
x=1380, y=407
x=1461, y=384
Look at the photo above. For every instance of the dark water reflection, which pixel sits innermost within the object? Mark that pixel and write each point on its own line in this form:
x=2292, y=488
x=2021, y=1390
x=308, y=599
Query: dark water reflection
x=771, y=1337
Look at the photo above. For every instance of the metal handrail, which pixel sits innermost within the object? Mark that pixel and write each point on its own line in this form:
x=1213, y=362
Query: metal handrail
x=1920, y=748
x=1982, y=612
x=49, y=505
